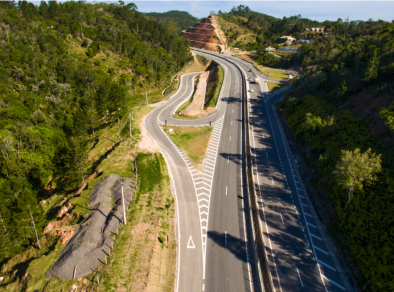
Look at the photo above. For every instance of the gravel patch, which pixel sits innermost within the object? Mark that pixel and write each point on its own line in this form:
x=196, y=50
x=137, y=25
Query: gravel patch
x=92, y=241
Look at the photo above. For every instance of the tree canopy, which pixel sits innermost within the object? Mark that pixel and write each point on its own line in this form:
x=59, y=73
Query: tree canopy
x=67, y=69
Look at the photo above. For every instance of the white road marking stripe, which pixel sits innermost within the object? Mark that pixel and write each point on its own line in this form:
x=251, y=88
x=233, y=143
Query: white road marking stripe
x=281, y=217
x=304, y=205
x=203, y=199
x=308, y=214
x=311, y=225
x=327, y=265
x=272, y=181
x=209, y=167
x=323, y=251
x=335, y=283
x=203, y=188
x=202, y=182
x=299, y=277
x=311, y=234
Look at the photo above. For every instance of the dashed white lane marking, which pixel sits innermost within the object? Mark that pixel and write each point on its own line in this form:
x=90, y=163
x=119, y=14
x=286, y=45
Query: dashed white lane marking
x=299, y=276
x=228, y=160
x=230, y=138
x=272, y=180
x=281, y=217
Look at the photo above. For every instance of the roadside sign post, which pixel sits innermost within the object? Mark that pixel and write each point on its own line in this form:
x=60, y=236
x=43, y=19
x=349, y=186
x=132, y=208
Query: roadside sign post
x=124, y=209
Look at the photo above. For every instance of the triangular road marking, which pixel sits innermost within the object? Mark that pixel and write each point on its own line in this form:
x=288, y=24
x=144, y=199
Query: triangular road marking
x=190, y=244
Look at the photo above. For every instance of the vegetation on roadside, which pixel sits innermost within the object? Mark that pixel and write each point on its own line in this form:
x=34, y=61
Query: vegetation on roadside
x=70, y=74
x=193, y=141
x=274, y=86
x=200, y=66
x=276, y=74
x=340, y=109
x=214, y=85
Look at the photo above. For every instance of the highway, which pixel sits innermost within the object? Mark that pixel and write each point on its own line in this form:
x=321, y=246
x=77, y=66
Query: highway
x=214, y=256
x=215, y=243
x=300, y=255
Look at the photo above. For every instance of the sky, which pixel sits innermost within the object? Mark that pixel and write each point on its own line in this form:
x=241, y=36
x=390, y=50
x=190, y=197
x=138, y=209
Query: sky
x=315, y=10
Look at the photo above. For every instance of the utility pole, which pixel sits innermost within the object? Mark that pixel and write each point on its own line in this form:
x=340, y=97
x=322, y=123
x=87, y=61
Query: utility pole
x=124, y=209
x=35, y=230
x=146, y=95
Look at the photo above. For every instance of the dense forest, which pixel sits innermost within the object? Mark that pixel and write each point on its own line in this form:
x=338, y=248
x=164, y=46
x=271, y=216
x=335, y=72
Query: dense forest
x=67, y=69
x=174, y=19
x=342, y=115
x=266, y=27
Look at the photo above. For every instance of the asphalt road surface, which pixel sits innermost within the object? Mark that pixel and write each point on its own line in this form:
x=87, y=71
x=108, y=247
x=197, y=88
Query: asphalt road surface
x=214, y=241
x=215, y=256
x=300, y=255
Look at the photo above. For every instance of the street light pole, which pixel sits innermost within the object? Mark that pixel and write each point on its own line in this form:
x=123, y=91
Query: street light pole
x=146, y=95
x=124, y=209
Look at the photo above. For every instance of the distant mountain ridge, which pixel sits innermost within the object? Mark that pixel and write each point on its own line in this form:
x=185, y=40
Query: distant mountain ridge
x=181, y=19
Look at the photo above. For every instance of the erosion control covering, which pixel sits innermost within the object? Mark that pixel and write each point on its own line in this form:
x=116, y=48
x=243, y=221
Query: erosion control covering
x=92, y=241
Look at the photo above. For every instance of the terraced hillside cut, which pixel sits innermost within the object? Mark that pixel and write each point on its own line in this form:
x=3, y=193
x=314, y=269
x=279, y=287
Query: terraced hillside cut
x=206, y=35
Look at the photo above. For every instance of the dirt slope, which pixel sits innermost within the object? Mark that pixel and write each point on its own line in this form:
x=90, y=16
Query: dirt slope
x=206, y=34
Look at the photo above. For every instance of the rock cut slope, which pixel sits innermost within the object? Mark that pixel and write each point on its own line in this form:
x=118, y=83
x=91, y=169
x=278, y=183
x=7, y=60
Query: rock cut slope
x=206, y=34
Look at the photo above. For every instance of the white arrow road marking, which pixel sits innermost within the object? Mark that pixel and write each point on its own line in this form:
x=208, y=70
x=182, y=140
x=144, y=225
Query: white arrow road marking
x=190, y=244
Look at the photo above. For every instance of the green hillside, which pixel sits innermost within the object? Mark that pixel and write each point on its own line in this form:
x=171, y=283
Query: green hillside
x=174, y=19
x=262, y=29
x=68, y=71
x=343, y=107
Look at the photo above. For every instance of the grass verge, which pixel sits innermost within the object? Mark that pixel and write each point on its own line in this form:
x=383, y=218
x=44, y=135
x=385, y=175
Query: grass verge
x=203, y=63
x=193, y=141
x=274, y=86
x=215, y=81
x=276, y=74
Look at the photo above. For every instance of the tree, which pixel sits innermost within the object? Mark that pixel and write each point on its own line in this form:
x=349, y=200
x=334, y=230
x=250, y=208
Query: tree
x=355, y=169
x=387, y=113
